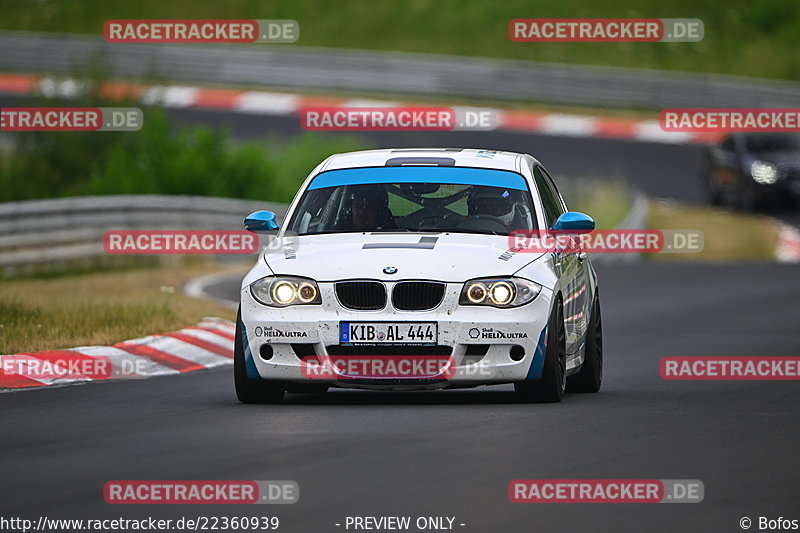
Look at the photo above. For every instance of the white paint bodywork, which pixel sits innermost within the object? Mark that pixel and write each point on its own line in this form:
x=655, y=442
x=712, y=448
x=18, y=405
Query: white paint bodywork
x=455, y=258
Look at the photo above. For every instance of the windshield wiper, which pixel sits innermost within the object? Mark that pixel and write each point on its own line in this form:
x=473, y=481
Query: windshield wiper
x=472, y=232
x=405, y=230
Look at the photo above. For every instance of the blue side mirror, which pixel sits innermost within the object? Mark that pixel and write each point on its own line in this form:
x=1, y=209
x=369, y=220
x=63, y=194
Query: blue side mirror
x=261, y=222
x=574, y=221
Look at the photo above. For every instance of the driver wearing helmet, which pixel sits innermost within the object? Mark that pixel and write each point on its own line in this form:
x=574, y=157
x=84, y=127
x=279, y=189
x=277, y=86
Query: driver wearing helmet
x=369, y=208
x=491, y=201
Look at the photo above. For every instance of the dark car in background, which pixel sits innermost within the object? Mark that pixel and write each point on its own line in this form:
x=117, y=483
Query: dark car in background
x=754, y=170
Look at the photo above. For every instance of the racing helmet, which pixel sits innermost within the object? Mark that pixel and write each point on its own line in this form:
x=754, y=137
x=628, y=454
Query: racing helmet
x=492, y=201
x=375, y=195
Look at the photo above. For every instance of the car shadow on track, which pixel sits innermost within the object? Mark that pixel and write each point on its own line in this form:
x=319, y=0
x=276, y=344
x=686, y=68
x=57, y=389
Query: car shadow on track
x=365, y=397
x=488, y=396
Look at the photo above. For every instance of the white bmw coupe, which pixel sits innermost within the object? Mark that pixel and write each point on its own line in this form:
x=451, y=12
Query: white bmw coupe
x=398, y=270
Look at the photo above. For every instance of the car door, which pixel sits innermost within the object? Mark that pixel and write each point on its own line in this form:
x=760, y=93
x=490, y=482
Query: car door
x=570, y=270
x=581, y=295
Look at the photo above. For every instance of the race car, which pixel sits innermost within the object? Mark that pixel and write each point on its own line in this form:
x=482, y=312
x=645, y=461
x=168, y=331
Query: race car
x=752, y=170
x=400, y=269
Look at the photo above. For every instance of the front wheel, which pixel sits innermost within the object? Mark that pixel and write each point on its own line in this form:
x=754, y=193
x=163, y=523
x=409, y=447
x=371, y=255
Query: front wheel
x=550, y=387
x=250, y=390
x=747, y=199
x=590, y=376
x=714, y=191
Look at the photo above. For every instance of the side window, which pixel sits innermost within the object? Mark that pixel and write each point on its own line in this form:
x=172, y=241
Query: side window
x=550, y=202
x=561, y=202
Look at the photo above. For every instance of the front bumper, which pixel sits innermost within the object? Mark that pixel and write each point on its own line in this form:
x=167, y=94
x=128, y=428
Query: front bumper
x=485, y=345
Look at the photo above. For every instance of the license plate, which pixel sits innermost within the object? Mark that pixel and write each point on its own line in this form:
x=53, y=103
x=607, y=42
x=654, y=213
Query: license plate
x=388, y=333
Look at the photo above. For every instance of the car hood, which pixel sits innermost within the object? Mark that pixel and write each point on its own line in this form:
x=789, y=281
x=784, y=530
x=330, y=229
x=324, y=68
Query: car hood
x=441, y=256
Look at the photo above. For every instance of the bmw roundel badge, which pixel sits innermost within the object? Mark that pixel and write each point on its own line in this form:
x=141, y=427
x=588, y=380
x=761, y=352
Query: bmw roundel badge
x=390, y=270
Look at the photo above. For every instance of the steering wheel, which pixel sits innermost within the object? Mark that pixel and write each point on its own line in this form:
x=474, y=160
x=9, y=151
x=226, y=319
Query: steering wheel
x=484, y=222
x=428, y=223
x=450, y=220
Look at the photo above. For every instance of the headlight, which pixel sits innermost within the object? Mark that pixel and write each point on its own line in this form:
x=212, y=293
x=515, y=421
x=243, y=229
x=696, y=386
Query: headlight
x=764, y=173
x=499, y=292
x=283, y=291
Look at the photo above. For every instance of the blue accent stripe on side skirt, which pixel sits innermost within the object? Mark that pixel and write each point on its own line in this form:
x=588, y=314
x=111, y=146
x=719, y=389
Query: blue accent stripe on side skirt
x=535, y=371
x=249, y=364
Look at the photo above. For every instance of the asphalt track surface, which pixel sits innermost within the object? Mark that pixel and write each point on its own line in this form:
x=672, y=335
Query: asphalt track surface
x=453, y=453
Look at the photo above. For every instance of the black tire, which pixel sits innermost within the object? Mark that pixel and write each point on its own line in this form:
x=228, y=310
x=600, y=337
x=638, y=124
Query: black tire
x=551, y=386
x=709, y=182
x=714, y=197
x=590, y=376
x=789, y=202
x=251, y=390
x=747, y=200
x=714, y=192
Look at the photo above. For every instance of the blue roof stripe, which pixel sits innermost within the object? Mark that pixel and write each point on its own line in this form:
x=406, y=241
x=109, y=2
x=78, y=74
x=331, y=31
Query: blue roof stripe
x=421, y=174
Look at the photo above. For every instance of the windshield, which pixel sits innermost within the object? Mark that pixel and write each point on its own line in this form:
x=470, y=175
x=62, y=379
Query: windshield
x=773, y=142
x=451, y=199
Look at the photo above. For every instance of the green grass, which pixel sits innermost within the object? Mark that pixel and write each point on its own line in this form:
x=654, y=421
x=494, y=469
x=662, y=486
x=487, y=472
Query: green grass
x=727, y=235
x=99, y=308
x=163, y=158
x=607, y=202
x=742, y=37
